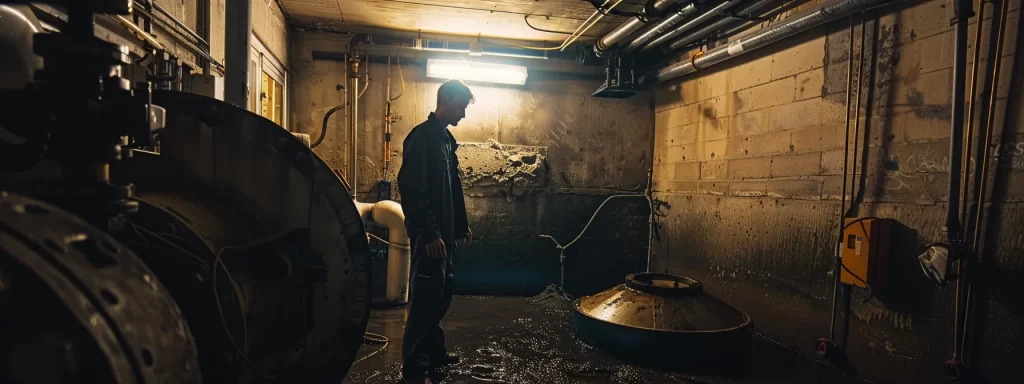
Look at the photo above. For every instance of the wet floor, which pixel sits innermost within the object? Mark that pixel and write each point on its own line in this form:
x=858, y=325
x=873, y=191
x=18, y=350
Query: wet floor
x=516, y=340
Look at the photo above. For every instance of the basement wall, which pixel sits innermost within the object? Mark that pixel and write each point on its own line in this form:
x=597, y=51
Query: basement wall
x=537, y=160
x=749, y=154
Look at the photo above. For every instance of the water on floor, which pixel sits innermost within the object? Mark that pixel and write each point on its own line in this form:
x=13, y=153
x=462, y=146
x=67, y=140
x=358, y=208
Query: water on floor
x=516, y=340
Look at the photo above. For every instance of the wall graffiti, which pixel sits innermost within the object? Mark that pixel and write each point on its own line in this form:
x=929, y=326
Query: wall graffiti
x=1015, y=152
x=902, y=171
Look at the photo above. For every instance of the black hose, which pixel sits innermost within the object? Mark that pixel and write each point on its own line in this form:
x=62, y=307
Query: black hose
x=323, y=130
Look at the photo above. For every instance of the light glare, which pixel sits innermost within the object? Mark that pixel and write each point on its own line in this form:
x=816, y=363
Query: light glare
x=473, y=71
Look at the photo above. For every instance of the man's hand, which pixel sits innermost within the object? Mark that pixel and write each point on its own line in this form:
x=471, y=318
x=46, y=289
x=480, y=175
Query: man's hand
x=469, y=237
x=436, y=249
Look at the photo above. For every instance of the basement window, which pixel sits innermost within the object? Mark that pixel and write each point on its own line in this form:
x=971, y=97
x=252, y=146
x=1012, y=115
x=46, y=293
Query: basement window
x=267, y=85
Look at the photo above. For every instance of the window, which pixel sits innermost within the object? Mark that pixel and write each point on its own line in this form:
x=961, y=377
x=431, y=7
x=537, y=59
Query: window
x=268, y=84
x=272, y=100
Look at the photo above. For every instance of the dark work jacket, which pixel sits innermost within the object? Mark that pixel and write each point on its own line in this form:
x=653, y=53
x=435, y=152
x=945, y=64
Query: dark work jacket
x=430, y=184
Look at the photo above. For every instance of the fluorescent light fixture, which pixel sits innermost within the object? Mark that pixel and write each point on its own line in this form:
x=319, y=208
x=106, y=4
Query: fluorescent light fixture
x=473, y=71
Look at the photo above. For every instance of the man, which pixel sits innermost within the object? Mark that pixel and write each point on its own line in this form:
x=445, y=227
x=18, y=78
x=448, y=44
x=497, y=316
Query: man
x=435, y=216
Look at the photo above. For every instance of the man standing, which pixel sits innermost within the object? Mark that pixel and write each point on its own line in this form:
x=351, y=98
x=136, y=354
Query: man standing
x=435, y=216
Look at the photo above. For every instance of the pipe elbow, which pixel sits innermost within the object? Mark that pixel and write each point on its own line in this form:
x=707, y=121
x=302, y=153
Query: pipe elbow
x=389, y=213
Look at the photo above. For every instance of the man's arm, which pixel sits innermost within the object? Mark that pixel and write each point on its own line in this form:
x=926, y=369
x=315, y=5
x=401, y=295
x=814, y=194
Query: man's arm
x=414, y=188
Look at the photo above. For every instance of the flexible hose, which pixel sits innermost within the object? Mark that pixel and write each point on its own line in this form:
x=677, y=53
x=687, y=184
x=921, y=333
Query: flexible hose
x=323, y=129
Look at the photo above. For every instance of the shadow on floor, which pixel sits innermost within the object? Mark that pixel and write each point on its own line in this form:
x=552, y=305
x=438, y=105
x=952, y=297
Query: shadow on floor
x=513, y=340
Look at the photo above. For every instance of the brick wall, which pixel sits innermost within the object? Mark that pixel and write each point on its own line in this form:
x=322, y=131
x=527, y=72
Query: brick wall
x=750, y=155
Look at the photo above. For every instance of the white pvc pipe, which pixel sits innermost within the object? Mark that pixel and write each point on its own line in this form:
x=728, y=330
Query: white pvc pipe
x=389, y=214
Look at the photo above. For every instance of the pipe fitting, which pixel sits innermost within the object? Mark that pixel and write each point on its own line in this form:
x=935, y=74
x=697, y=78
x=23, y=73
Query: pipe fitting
x=388, y=213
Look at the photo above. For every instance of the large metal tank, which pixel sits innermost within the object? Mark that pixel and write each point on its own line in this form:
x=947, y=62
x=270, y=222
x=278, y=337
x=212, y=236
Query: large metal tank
x=663, y=320
x=237, y=190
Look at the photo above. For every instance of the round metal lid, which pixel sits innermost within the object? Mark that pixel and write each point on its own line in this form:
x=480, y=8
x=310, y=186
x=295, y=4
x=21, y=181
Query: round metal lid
x=662, y=302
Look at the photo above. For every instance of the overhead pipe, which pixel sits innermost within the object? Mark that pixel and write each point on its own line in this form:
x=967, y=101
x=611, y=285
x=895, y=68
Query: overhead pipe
x=811, y=18
x=387, y=213
x=629, y=26
x=665, y=37
x=661, y=26
x=747, y=13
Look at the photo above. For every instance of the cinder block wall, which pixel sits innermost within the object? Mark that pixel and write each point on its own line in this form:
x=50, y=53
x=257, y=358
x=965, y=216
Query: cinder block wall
x=750, y=155
x=589, y=148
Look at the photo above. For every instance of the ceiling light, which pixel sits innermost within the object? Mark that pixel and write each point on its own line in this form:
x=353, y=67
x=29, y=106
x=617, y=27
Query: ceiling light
x=473, y=71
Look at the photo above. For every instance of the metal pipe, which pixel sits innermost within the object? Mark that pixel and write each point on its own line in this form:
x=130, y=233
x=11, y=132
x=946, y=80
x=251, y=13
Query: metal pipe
x=719, y=25
x=662, y=26
x=238, y=31
x=353, y=135
x=388, y=213
x=628, y=27
x=984, y=150
x=842, y=198
x=964, y=10
x=971, y=107
x=141, y=34
x=811, y=18
x=203, y=25
x=189, y=31
x=717, y=10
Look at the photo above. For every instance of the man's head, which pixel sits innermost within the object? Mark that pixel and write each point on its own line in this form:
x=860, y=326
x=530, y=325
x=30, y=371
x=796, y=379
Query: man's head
x=452, y=99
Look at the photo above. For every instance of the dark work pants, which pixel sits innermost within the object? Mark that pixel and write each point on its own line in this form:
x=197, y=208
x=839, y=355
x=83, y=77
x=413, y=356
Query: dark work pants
x=430, y=296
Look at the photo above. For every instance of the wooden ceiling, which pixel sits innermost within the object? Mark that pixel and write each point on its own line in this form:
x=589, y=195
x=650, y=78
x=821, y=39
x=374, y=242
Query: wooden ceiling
x=486, y=18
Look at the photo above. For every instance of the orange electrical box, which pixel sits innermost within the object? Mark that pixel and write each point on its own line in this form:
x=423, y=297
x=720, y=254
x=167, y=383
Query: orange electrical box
x=865, y=251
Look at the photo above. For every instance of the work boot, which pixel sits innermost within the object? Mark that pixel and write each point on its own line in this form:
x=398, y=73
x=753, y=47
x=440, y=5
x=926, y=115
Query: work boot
x=436, y=376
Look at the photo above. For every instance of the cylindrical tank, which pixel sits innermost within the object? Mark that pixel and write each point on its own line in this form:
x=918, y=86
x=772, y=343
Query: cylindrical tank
x=664, y=320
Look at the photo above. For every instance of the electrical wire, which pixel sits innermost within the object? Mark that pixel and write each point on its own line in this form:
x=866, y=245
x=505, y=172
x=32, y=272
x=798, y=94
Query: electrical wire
x=373, y=338
x=610, y=10
x=401, y=76
x=217, y=261
x=378, y=238
x=583, y=28
x=367, y=82
x=198, y=260
x=566, y=246
x=526, y=18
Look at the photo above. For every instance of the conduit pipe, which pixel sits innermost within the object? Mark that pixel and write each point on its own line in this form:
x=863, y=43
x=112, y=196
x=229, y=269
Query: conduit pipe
x=747, y=12
x=662, y=26
x=625, y=29
x=388, y=213
x=826, y=12
x=717, y=10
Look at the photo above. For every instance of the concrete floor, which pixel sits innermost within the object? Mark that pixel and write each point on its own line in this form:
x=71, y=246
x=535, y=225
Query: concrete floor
x=513, y=340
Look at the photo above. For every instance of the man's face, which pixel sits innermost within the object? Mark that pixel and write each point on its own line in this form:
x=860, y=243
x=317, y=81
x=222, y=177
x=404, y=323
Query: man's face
x=455, y=110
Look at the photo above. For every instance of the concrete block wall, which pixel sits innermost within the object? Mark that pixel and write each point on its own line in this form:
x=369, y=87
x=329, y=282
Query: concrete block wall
x=750, y=156
x=588, y=148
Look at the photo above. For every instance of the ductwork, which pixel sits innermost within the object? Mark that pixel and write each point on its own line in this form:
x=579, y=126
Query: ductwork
x=389, y=214
x=625, y=29
x=661, y=27
x=814, y=17
x=747, y=12
x=717, y=10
